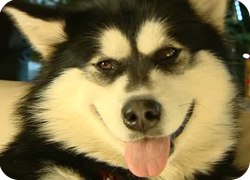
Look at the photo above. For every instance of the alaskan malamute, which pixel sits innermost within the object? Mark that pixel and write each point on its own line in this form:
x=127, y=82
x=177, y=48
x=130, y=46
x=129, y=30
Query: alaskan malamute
x=129, y=90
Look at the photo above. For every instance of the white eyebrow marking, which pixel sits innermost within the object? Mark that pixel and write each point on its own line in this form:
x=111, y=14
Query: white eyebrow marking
x=114, y=44
x=151, y=37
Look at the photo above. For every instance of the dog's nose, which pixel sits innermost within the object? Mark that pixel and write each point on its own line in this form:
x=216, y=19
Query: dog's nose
x=141, y=115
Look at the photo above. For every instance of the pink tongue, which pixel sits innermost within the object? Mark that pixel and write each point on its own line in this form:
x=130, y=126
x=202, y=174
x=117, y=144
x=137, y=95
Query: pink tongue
x=147, y=157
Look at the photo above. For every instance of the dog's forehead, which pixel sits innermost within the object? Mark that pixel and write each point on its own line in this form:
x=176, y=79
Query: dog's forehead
x=123, y=29
x=115, y=44
x=149, y=37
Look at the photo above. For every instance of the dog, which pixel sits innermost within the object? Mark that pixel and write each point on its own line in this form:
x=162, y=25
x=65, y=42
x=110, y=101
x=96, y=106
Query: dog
x=128, y=90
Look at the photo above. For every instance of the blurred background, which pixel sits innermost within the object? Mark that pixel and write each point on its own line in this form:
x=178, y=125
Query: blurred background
x=19, y=62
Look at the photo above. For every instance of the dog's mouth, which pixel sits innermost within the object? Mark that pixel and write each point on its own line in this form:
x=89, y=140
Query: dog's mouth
x=148, y=157
x=183, y=125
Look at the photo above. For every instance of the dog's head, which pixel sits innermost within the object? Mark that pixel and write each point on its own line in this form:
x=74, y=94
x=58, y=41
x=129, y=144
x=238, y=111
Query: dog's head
x=127, y=76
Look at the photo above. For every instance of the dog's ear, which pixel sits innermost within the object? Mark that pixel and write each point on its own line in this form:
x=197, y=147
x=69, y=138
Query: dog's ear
x=43, y=27
x=212, y=11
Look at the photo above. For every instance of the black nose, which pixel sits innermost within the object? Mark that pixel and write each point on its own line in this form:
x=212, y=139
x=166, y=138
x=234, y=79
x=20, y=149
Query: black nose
x=141, y=115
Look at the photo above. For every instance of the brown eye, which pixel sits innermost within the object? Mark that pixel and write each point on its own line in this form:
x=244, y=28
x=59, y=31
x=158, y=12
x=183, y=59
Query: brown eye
x=167, y=53
x=106, y=65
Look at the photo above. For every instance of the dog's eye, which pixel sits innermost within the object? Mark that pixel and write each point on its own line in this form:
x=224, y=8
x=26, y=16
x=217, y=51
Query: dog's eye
x=106, y=65
x=166, y=53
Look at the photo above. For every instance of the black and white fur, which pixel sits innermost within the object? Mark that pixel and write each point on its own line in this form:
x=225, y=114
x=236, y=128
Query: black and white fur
x=69, y=123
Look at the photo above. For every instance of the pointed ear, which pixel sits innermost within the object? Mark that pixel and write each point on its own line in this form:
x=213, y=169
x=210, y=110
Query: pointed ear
x=43, y=27
x=212, y=11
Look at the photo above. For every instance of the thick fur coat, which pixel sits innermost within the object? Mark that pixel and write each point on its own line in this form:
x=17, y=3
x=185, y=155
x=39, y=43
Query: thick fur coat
x=103, y=55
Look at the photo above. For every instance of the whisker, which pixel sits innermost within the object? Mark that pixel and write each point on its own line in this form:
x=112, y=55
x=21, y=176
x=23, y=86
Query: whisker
x=185, y=104
x=114, y=170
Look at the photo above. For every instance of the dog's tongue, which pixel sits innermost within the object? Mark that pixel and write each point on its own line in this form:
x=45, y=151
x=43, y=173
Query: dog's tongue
x=147, y=157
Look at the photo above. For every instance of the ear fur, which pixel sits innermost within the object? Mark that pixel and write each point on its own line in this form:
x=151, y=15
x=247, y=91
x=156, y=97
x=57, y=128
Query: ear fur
x=43, y=27
x=212, y=11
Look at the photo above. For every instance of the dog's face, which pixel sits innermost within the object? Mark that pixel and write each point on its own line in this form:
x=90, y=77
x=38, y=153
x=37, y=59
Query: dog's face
x=125, y=71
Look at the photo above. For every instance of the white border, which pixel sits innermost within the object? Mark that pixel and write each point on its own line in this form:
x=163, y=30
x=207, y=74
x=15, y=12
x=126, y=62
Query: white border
x=246, y=3
x=3, y=176
x=245, y=177
x=2, y=3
